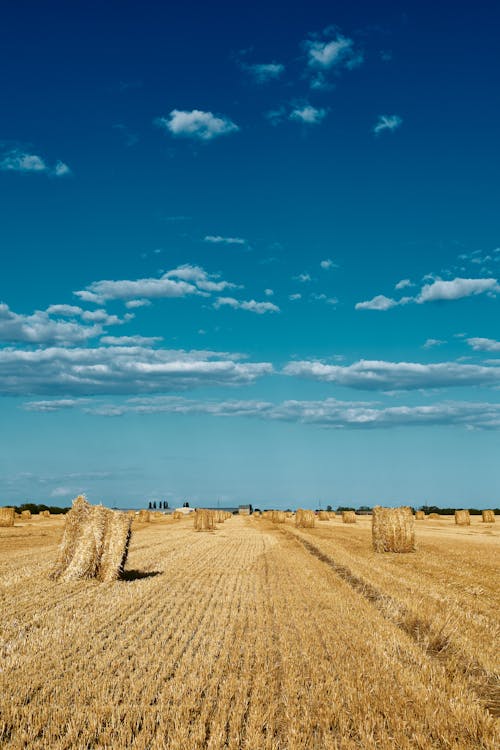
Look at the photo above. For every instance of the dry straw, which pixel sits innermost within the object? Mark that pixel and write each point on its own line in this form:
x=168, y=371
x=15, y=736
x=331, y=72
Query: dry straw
x=278, y=516
x=305, y=519
x=488, y=516
x=144, y=516
x=44, y=514
x=204, y=520
x=7, y=516
x=462, y=518
x=25, y=515
x=419, y=515
x=348, y=516
x=435, y=516
x=177, y=515
x=393, y=529
x=323, y=515
x=94, y=544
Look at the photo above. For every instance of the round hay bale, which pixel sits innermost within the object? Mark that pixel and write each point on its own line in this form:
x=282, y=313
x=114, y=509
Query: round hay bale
x=323, y=515
x=419, y=515
x=488, y=516
x=25, y=515
x=305, y=519
x=462, y=518
x=278, y=516
x=348, y=516
x=204, y=520
x=144, y=516
x=7, y=516
x=393, y=529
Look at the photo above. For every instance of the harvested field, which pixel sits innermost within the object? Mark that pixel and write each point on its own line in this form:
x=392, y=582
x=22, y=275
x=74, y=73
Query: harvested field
x=260, y=635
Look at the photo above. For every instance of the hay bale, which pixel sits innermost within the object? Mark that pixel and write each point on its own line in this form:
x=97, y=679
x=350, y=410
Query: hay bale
x=177, y=515
x=305, y=519
x=323, y=515
x=44, y=514
x=348, y=516
x=331, y=514
x=488, y=516
x=7, y=516
x=462, y=518
x=94, y=544
x=144, y=516
x=204, y=520
x=435, y=516
x=25, y=515
x=278, y=516
x=393, y=529
x=419, y=515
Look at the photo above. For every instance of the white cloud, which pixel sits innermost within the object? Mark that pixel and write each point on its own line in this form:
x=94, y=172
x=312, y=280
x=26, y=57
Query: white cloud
x=403, y=284
x=325, y=413
x=294, y=297
x=395, y=376
x=380, y=302
x=484, y=345
x=217, y=239
x=20, y=161
x=264, y=72
x=131, y=340
x=40, y=328
x=430, y=343
x=251, y=305
x=268, y=292
x=456, y=289
x=327, y=264
x=308, y=114
x=61, y=371
x=179, y=282
x=338, y=52
x=304, y=278
x=387, y=122
x=202, y=126
x=133, y=303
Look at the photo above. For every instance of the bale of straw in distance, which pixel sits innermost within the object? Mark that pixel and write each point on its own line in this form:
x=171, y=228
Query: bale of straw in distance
x=419, y=515
x=348, y=516
x=94, y=545
x=393, y=529
x=7, y=516
x=44, y=514
x=488, y=516
x=323, y=515
x=331, y=514
x=435, y=516
x=462, y=518
x=204, y=520
x=177, y=515
x=305, y=519
x=144, y=516
x=278, y=516
x=25, y=515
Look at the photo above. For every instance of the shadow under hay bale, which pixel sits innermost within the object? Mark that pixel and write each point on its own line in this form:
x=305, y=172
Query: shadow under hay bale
x=419, y=515
x=7, y=516
x=94, y=545
x=305, y=519
x=137, y=575
x=488, y=516
x=204, y=520
x=348, y=516
x=393, y=529
x=462, y=518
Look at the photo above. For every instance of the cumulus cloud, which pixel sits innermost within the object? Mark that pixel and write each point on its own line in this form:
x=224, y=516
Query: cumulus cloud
x=217, y=239
x=41, y=328
x=294, y=297
x=484, y=345
x=134, y=303
x=17, y=160
x=430, y=343
x=379, y=375
x=327, y=264
x=387, y=122
x=196, y=124
x=325, y=413
x=403, y=284
x=456, y=289
x=251, y=305
x=269, y=292
x=179, y=282
x=308, y=114
x=131, y=340
x=380, y=302
x=304, y=278
x=71, y=372
x=264, y=72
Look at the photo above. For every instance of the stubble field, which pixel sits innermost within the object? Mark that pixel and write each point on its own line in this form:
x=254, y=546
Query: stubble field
x=257, y=635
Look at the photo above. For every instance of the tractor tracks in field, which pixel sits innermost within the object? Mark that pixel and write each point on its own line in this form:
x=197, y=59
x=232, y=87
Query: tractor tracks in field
x=435, y=642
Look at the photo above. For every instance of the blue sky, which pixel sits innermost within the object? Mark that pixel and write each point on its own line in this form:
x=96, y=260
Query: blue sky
x=249, y=253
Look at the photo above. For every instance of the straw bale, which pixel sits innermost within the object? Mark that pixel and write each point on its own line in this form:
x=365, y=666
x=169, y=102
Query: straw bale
x=488, y=516
x=7, y=516
x=278, y=516
x=331, y=514
x=419, y=515
x=256, y=513
x=435, y=516
x=323, y=515
x=25, y=515
x=144, y=516
x=44, y=514
x=177, y=515
x=348, y=516
x=393, y=529
x=462, y=518
x=305, y=519
x=94, y=545
x=204, y=520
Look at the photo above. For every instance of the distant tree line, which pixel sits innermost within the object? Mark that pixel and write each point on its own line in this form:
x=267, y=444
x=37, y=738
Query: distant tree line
x=38, y=507
x=161, y=504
